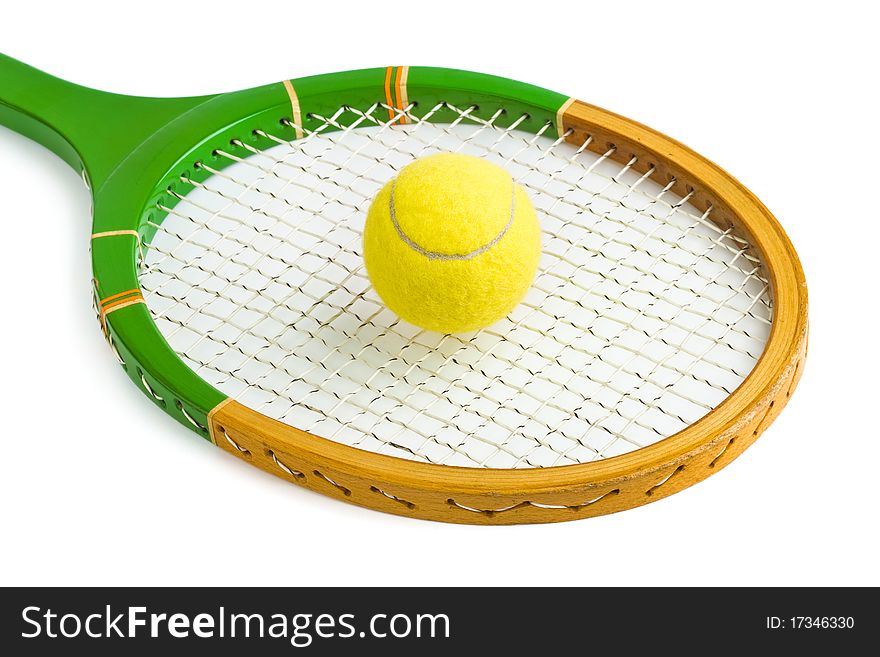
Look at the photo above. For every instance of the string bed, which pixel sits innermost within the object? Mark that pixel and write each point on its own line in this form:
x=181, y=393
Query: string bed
x=644, y=316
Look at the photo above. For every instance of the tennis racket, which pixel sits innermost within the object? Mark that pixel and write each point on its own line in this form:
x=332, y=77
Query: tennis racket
x=665, y=330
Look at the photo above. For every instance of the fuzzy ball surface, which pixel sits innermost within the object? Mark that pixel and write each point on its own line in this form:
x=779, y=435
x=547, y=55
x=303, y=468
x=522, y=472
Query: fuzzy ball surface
x=452, y=243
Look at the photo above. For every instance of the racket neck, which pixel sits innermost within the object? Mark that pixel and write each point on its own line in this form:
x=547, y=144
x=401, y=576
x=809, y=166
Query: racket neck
x=91, y=130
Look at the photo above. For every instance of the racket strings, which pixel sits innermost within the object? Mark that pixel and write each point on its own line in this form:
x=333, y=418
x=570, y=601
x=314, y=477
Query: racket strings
x=350, y=250
x=751, y=262
x=644, y=316
x=743, y=251
x=528, y=141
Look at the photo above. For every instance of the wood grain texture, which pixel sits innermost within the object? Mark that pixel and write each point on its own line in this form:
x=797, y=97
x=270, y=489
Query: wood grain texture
x=487, y=496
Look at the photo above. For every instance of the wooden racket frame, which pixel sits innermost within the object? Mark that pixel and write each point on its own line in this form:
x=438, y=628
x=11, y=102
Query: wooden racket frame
x=495, y=496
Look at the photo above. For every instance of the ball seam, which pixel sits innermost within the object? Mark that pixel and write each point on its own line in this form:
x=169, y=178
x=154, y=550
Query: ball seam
x=435, y=255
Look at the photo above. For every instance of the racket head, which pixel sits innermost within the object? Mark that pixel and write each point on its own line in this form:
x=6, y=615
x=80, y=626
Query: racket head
x=194, y=140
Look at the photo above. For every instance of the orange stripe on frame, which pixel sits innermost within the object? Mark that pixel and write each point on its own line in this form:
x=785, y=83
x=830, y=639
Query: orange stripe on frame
x=294, y=108
x=388, y=101
x=120, y=303
x=400, y=91
x=211, y=414
x=114, y=233
x=560, y=115
x=120, y=294
x=124, y=303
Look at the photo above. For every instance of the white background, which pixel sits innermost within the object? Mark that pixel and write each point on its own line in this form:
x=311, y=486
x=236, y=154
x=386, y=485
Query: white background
x=99, y=487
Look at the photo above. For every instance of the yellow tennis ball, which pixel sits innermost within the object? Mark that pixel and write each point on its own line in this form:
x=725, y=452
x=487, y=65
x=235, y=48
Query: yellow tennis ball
x=452, y=244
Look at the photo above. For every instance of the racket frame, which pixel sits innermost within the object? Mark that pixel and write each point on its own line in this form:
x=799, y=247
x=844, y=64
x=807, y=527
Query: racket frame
x=136, y=154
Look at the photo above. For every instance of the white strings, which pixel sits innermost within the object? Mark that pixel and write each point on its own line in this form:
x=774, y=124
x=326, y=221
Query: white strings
x=645, y=314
